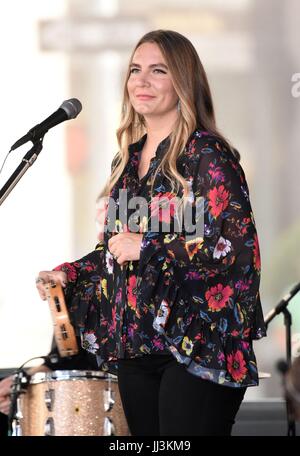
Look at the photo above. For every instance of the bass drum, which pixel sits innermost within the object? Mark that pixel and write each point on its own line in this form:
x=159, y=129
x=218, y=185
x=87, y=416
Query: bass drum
x=72, y=403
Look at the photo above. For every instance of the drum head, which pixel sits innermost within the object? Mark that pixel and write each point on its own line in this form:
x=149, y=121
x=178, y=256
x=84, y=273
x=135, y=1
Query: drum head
x=57, y=375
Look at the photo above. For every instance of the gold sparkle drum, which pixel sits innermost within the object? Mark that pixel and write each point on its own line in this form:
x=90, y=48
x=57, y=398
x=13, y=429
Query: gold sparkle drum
x=72, y=403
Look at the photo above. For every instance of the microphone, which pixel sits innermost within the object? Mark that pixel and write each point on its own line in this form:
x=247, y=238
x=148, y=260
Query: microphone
x=68, y=110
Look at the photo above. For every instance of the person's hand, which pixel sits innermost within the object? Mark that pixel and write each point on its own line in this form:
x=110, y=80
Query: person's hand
x=125, y=246
x=49, y=276
x=5, y=386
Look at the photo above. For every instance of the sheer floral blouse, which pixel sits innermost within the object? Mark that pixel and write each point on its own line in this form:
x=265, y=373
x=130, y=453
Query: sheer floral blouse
x=198, y=300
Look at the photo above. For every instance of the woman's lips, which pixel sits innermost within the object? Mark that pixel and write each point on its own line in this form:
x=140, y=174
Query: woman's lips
x=144, y=97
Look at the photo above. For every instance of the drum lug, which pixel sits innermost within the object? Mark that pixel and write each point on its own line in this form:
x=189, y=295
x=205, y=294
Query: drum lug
x=49, y=429
x=109, y=428
x=16, y=424
x=16, y=429
x=109, y=400
x=49, y=399
x=19, y=414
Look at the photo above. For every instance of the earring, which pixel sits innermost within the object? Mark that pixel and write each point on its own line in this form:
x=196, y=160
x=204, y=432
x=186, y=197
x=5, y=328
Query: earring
x=178, y=106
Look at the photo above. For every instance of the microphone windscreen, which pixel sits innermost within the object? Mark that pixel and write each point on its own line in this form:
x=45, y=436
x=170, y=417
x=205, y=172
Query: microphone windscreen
x=72, y=107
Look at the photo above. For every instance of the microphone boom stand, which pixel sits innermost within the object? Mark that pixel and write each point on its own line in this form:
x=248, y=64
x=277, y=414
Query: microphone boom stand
x=19, y=385
x=282, y=308
x=26, y=162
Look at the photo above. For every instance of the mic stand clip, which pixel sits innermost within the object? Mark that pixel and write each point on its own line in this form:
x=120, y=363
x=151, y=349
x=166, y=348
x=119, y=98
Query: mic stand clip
x=26, y=162
x=19, y=386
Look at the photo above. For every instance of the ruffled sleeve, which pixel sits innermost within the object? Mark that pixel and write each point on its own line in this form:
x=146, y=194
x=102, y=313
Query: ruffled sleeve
x=84, y=276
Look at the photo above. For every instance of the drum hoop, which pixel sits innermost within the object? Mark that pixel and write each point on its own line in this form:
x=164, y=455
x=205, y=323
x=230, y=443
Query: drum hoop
x=72, y=375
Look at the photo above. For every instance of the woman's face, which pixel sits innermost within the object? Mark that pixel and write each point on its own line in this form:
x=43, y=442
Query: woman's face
x=149, y=86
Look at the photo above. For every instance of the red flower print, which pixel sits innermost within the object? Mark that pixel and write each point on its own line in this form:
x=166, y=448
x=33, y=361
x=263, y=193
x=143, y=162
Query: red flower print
x=69, y=269
x=218, y=200
x=131, y=292
x=200, y=338
x=246, y=333
x=163, y=206
x=256, y=253
x=85, y=266
x=236, y=366
x=192, y=147
x=242, y=226
x=218, y=297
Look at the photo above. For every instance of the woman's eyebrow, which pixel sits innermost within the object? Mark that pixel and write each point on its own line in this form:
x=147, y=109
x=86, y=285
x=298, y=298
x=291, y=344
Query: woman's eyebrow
x=150, y=66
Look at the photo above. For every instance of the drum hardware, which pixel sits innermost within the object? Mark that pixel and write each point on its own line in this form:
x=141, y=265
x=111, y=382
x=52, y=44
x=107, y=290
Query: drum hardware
x=19, y=414
x=16, y=429
x=16, y=424
x=108, y=396
x=108, y=428
x=108, y=399
x=72, y=403
x=49, y=399
x=19, y=386
x=49, y=427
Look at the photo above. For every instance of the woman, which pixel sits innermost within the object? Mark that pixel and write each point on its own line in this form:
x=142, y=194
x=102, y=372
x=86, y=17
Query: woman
x=176, y=313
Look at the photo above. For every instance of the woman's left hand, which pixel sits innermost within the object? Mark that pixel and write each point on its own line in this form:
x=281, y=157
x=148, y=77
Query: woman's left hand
x=125, y=246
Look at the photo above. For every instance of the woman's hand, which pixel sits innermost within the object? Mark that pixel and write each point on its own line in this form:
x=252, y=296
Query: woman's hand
x=125, y=246
x=49, y=276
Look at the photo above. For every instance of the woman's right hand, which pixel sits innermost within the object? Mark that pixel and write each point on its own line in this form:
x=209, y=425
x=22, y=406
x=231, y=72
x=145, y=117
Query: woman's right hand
x=45, y=277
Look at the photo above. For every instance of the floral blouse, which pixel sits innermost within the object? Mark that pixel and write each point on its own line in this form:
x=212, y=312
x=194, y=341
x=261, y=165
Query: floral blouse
x=198, y=300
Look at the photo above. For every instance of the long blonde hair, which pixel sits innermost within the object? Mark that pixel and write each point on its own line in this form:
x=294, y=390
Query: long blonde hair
x=196, y=108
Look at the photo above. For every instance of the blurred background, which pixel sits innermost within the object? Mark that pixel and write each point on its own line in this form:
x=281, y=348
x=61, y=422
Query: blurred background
x=52, y=51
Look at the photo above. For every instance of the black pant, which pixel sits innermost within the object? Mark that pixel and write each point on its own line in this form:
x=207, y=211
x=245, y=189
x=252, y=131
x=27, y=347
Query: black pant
x=160, y=397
